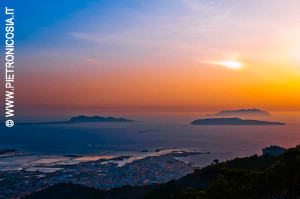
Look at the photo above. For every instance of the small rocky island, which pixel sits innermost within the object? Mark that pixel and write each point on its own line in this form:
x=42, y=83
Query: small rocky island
x=83, y=118
x=241, y=112
x=232, y=121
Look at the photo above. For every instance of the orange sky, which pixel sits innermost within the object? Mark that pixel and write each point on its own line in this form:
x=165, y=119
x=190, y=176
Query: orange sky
x=169, y=58
x=172, y=85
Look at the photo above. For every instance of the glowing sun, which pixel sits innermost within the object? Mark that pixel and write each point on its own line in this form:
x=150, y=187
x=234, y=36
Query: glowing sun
x=231, y=64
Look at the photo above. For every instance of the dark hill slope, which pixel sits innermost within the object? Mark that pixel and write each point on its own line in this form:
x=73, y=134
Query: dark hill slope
x=202, y=178
x=248, y=178
x=73, y=191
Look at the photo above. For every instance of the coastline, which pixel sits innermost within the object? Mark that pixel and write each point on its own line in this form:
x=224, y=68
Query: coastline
x=101, y=172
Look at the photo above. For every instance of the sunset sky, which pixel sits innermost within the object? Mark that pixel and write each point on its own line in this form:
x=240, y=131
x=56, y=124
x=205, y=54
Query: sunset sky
x=158, y=53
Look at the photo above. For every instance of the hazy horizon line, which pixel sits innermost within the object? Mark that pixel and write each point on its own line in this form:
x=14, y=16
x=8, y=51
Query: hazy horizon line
x=160, y=108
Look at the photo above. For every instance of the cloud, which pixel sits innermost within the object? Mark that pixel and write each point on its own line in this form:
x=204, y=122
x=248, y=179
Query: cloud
x=199, y=29
x=177, y=29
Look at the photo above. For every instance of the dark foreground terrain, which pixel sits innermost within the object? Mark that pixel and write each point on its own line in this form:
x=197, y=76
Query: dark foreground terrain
x=242, y=178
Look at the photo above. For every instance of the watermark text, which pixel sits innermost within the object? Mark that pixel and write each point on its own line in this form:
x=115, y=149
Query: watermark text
x=9, y=66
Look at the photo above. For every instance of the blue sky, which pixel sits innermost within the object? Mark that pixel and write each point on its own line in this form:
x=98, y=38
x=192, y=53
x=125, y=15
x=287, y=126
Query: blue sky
x=93, y=25
x=53, y=19
x=33, y=16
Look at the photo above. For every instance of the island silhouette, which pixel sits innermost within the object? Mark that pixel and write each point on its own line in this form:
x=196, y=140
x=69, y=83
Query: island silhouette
x=82, y=119
x=232, y=121
x=241, y=112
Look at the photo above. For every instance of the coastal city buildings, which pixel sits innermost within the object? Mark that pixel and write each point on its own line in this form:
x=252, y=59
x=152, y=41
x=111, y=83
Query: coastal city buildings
x=99, y=174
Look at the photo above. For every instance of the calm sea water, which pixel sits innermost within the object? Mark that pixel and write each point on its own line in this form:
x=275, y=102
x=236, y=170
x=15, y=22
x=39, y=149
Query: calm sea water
x=151, y=131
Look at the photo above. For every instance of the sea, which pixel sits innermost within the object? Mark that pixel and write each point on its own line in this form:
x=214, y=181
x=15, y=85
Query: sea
x=151, y=132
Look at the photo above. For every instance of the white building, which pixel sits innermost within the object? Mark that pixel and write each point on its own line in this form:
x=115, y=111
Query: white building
x=273, y=150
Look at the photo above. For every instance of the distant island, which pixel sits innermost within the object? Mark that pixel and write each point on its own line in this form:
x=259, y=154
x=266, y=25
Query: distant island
x=232, y=121
x=84, y=118
x=241, y=112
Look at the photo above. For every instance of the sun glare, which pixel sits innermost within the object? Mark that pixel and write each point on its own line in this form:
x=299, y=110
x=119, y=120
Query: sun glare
x=231, y=64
